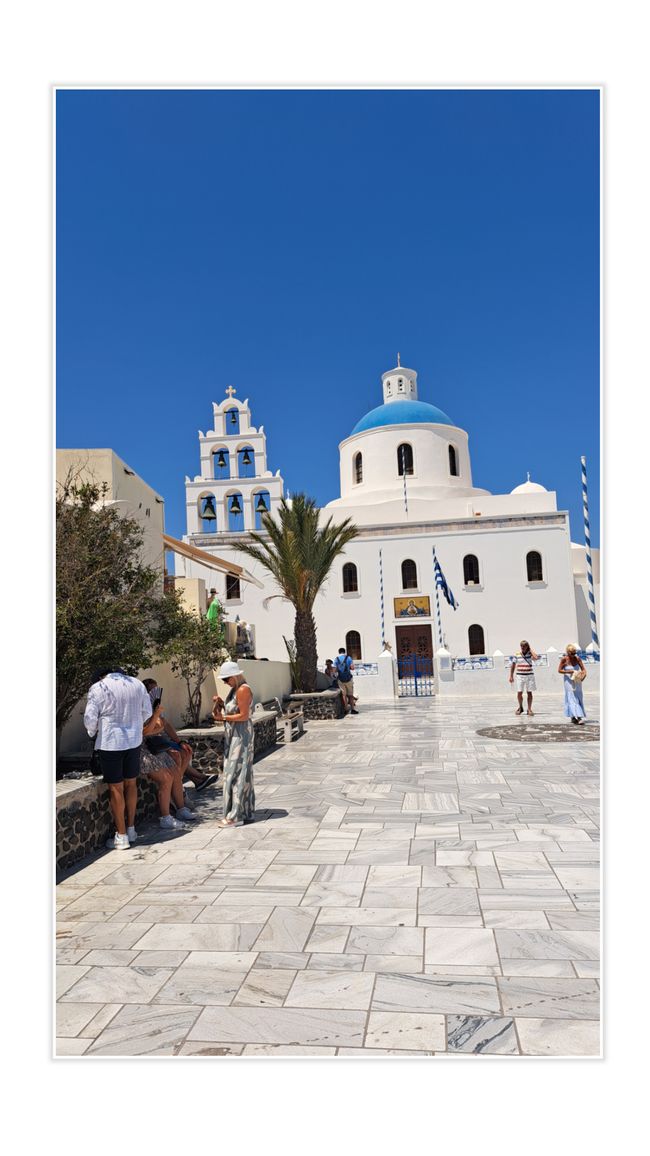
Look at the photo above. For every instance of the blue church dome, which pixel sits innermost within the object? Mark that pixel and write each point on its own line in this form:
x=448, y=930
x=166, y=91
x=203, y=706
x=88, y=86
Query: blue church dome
x=401, y=413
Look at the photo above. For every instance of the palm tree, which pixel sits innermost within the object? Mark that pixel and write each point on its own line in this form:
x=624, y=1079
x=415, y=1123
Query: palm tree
x=299, y=554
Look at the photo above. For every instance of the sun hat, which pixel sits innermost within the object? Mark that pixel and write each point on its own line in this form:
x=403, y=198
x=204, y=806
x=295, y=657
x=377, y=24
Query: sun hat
x=229, y=670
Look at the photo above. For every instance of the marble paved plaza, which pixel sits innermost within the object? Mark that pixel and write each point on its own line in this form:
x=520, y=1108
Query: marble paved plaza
x=411, y=889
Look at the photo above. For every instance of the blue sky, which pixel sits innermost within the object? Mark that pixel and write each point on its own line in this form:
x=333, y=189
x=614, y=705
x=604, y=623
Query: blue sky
x=290, y=243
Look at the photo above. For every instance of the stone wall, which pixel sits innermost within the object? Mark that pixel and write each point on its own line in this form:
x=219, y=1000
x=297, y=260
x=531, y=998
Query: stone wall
x=83, y=817
x=326, y=704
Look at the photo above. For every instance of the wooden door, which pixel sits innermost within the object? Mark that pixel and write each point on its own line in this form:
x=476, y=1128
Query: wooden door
x=415, y=642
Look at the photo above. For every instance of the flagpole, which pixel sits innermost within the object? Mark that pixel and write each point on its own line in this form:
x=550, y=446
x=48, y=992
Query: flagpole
x=438, y=617
x=590, y=574
x=381, y=599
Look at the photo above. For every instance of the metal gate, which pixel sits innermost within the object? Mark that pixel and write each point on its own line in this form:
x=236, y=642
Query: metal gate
x=415, y=676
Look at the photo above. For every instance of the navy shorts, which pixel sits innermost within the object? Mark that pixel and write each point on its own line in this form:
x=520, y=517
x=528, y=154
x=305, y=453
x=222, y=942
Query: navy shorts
x=119, y=765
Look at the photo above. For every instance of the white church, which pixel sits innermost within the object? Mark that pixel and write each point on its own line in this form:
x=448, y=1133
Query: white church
x=406, y=483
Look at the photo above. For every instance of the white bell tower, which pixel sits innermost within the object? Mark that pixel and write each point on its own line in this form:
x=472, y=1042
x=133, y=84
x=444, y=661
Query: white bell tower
x=400, y=384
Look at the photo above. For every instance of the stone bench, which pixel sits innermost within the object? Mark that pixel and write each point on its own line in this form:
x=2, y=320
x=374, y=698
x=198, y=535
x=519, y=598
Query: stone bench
x=83, y=817
x=321, y=705
x=288, y=723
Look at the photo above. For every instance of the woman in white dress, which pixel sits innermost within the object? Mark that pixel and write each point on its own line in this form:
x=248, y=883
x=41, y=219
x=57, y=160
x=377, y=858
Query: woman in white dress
x=572, y=669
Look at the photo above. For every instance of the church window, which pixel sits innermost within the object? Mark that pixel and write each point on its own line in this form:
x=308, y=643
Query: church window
x=220, y=463
x=404, y=459
x=353, y=644
x=232, y=421
x=233, y=587
x=358, y=468
x=471, y=570
x=235, y=508
x=400, y=385
x=409, y=575
x=261, y=506
x=476, y=639
x=208, y=513
x=246, y=462
x=534, y=566
x=453, y=462
x=350, y=579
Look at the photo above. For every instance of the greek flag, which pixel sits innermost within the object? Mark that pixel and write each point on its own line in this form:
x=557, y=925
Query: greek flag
x=441, y=584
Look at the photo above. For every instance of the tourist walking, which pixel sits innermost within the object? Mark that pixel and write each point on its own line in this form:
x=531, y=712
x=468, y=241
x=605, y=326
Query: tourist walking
x=522, y=668
x=572, y=668
x=344, y=667
x=239, y=746
x=117, y=709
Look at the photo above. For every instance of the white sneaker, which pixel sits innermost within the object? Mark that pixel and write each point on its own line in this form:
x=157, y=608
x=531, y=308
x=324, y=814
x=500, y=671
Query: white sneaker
x=186, y=814
x=118, y=843
x=131, y=834
x=168, y=822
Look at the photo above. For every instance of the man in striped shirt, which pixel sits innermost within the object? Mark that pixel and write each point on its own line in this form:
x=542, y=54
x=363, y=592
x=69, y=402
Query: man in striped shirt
x=522, y=666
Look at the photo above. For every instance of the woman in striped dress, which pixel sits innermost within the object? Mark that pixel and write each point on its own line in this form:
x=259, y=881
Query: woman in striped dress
x=571, y=665
x=522, y=666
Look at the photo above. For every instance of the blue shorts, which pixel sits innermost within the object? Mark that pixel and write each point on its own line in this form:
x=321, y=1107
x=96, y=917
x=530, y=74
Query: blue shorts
x=119, y=765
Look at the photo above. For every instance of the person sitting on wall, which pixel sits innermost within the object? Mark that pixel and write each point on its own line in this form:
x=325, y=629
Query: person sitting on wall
x=167, y=740
x=163, y=768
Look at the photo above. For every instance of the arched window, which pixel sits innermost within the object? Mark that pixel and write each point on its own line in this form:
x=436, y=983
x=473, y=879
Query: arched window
x=231, y=417
x=358, y=468
x=233, y=588
x=453, y=462
x=220, y=463
x=246, y=462
x=534, y=566
x=470, y=570
x=409, y=575
x=353, y=644
x=350, y=579
x=235, y=507
x=261, y=506
x=476, y=639
x=404, y=459
x=208, y=513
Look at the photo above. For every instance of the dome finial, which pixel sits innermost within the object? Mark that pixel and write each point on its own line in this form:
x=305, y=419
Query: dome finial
x=399, y=364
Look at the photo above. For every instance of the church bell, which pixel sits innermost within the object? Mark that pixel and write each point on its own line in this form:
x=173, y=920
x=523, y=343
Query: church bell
x=261, y=505
x=246, y=458
x=235, y=507
x=221, y=459
x=209, y=510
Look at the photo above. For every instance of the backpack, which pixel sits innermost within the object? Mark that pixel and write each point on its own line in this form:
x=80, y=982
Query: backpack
x=343, y=664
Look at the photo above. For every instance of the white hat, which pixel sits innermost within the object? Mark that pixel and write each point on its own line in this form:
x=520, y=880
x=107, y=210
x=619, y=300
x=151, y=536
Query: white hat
x=229, y=670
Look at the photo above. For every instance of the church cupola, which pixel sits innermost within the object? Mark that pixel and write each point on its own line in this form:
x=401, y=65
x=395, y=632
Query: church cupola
x=400, y=384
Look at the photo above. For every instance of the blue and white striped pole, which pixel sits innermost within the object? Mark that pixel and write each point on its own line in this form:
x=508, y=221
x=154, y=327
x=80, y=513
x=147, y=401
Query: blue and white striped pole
x=590, y=573
x=438, y=618
x=381, y=599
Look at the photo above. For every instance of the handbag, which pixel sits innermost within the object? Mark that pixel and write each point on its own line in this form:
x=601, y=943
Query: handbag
x=578, y=676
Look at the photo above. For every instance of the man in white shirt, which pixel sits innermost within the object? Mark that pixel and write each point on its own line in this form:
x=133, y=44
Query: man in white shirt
x=117, y=709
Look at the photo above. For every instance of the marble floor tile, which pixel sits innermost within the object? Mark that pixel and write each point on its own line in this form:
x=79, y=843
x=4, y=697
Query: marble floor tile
x=295, y=1026
x=587, y=969
x=338, y=873
x=378, y=897
x=117, y=957
x=328, y=937
x=204, y=1049
x=386, y=940
x=406, y=1030
x=201, y=986
x=573, y=999
x=552, y=1037
x=146, y=1030
x=261, y=897
x=71, y=1046
x=557, y=968
x=67, y=975
x=331, y=989
x=482, y=1035
x=448, y=877
x=369, y=916
x=286, y=1050
x=341, y=894
x=288, y=929
x=548, y=944
x=101, y=1020
x=283, y=959
x=118, y=985
x=394, y=876
x=523, y=920
x=71, y=1018
x=239, y=913
x=393, y=963
x=104, y=935
x=448, y=901
x=200, y=937
x=294, y=876
x=435, y=994
x=265, y=987
x=343, y=960
x=465, y=945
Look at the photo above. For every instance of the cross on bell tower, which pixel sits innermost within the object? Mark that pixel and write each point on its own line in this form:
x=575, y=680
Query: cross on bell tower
x=230, y=391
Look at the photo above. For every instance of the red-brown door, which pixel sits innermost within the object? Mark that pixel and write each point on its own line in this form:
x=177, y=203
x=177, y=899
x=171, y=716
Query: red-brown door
x=415, y=642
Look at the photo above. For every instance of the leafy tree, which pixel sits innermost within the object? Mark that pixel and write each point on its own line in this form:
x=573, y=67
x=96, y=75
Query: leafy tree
x=299, y=553
x=108, y=603
x=194, y=646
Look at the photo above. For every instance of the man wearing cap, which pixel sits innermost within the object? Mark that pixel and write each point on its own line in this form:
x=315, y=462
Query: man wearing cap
x=239, y=747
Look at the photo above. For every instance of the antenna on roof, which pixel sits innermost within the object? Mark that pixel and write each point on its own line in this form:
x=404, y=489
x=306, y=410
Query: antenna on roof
x=399, y=364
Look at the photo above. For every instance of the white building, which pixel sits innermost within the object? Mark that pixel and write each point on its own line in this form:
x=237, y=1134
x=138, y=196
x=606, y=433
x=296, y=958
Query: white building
x=406, y=483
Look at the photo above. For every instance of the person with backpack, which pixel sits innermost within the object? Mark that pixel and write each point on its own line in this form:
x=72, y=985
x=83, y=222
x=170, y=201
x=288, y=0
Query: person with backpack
x=344, y=667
